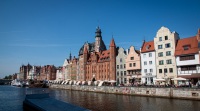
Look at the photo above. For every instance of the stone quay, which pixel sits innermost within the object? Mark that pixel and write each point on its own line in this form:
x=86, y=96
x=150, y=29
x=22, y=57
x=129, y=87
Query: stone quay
x=165, y=92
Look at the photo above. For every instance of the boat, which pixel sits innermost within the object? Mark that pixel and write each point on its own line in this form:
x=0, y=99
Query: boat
x=42, y=102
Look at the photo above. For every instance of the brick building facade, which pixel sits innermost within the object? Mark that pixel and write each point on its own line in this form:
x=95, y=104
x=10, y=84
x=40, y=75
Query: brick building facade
x=47, y=72
x=95, y=62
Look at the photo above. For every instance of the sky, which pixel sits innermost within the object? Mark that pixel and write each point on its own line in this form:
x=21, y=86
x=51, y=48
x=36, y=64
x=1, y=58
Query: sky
x=44, y=32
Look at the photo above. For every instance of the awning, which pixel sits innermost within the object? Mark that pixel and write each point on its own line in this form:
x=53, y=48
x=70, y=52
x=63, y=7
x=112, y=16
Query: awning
x=159, y=79
x=149, y=76
x=101, y=83
x=89, y=83
x=180, y=79
x=112, y=81
x=190, y=76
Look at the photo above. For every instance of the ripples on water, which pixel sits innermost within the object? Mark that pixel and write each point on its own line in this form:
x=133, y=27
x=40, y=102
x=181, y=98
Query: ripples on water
x=11, y=99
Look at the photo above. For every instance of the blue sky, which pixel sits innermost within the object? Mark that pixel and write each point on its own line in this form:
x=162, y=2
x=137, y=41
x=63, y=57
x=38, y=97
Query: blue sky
x=42, y=32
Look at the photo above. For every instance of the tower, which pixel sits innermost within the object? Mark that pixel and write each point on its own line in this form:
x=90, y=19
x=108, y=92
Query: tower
x=98, y=39
x=198, y=35
x=85, y=57
x=112, y=60
x=70, y=56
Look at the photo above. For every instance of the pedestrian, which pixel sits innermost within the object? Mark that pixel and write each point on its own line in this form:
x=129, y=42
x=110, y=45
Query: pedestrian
x=189, y=83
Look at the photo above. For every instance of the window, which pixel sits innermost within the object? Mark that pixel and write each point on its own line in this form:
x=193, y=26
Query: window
x=150, y=62
x=124, y=66
x=144, y=55
x=132, y=58
x=159, y=46
x=165, y=70
x=130, y=64
x=151, y=70
x=117, y=66
x=161, y=62
x=124, y=80
x=120, y=59
x=187, y=68
x=145, y=62
x=166, y=37
x=147, y=47
x=150, y=54
x=160, y=38
x=188, y=57
x=134, y=64
x=160, y=70
x=168, y=53
x=121, y=66
x=145, y=70
x=171, y=70
x=186, y=47
x=160, y=54
x=167, y=45
x=117, y=73
x=169, y=61
x=124, y=73
x=121, y=73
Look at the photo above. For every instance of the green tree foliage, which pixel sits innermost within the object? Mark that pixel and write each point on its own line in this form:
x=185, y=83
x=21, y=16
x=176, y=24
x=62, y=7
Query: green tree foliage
x=8, y=77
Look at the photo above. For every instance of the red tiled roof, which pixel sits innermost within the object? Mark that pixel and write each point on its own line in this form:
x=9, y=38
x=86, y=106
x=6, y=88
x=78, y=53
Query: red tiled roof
x=112, y=43
x=104, y=55
x=148, y=46
x=191, y=42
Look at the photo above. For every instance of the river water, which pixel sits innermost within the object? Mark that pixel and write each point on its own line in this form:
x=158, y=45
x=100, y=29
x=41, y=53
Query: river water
x=11, y=99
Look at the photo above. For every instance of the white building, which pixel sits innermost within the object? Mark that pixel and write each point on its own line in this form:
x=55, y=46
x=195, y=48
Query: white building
x=59, y=73
x=65, y=70
x=187, y=59
x=34, y=72
x=148, y=62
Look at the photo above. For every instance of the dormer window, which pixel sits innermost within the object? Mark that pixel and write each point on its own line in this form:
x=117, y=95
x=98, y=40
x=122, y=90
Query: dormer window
x=186, y=47
x=147, y=47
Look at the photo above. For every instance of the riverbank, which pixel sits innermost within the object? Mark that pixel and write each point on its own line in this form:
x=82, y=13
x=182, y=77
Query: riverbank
x=180, y=93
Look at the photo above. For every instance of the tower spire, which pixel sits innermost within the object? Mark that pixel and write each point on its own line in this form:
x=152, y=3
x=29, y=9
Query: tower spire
x=98, y=32
x=70, y=56
x=112, y=43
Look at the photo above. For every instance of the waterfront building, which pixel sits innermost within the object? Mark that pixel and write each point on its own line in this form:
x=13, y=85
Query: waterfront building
x=64, y=70
x=24, y=72
x=47, y=72
x=165, y=43
x=148, y=62
x=78, y=76
x=95, y=62
x=121, y=66
x=67, y=67
x=59, y=75
x=187, y=58
x=34, y=72
x=133, y=65
x=73, y=68
x=14, y=76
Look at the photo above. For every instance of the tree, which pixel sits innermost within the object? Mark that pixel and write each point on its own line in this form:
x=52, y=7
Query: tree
x=8, y=77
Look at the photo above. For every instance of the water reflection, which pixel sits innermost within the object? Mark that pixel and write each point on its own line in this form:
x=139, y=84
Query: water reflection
x=111, y=102
x=11, y=99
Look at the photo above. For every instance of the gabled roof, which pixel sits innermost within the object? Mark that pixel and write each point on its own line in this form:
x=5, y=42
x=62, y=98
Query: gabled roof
x=191, y=43
x=148, y=46
x=105, y=55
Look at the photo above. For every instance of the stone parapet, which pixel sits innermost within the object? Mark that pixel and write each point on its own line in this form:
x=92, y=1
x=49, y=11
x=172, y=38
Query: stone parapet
x=181, y=93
